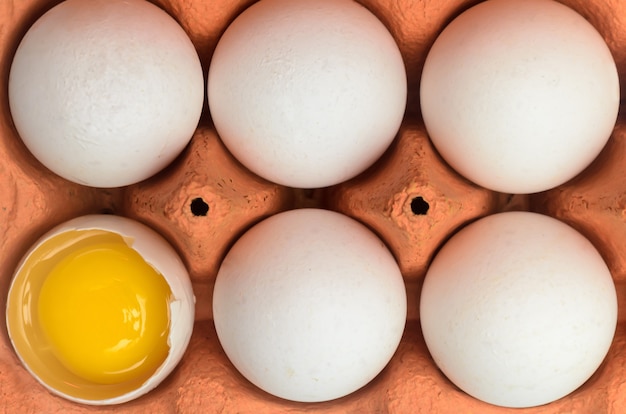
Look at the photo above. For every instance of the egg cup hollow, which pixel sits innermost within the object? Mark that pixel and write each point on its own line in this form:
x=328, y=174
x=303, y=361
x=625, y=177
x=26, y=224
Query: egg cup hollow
x=22, y=318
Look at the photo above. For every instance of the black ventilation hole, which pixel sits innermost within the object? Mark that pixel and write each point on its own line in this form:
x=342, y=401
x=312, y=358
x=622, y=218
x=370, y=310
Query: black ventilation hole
x=419, y=206
x=199, y=207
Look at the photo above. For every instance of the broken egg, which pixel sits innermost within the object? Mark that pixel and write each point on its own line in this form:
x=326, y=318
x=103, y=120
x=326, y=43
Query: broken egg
x=100, y=310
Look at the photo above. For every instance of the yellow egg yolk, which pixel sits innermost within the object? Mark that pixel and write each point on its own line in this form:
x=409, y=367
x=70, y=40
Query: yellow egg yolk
x=105, y=314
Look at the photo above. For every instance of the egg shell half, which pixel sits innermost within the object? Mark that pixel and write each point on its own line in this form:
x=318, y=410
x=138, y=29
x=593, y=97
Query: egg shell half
x=158, y=253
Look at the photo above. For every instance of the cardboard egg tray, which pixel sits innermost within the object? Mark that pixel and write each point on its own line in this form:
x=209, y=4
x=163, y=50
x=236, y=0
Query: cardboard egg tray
x=410, y=197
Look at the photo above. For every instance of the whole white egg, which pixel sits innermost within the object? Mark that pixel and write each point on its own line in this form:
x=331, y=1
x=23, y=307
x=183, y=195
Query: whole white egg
x=307, y=93
x=518, y=309
x=147, y=315
x=519, y=96
x=106, y=93
x=309, y=305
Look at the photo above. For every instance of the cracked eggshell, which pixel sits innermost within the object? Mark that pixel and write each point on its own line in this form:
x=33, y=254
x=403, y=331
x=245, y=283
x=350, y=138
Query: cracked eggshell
x=157, y=252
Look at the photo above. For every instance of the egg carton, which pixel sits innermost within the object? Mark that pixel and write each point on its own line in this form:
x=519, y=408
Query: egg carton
x=411, y=198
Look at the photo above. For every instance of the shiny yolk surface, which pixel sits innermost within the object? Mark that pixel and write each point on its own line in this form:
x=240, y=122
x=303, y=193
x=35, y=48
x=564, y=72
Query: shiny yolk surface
x=105, y=313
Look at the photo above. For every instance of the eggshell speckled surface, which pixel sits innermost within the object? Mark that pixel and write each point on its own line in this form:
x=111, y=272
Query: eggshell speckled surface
x=325, y=98
x=112, y=98
x=206, y=199
x=518, y=309
x=326, y=311
x=519, y=97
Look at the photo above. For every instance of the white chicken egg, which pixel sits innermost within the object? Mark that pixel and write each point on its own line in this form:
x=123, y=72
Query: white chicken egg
x=519, y=96
x=307, y=93
x=100, y=310
x=518, y=309
x=309, y=305
x=106, y=93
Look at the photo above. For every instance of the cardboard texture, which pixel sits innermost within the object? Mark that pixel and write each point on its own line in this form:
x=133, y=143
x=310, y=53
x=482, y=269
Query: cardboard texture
x=410, y=198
